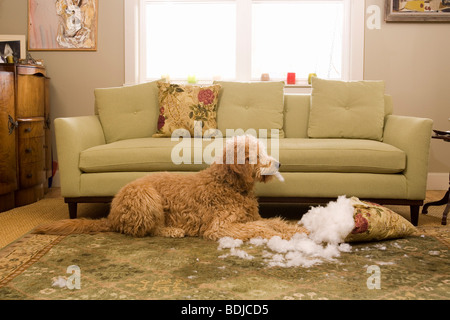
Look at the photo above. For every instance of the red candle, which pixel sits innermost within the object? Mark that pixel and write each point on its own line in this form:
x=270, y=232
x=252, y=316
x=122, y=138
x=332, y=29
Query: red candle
x=291, y=78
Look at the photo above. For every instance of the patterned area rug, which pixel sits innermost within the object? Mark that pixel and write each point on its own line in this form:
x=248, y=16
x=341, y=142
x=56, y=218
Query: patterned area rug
x=114, y=266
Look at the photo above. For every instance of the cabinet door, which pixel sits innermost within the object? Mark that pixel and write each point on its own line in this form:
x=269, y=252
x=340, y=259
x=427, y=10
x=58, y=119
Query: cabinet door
x=8, y=166
x=30, y=96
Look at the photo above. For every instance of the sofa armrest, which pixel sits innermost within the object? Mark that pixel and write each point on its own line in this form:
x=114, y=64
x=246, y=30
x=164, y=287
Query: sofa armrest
x=413, y=136
x=74, y=135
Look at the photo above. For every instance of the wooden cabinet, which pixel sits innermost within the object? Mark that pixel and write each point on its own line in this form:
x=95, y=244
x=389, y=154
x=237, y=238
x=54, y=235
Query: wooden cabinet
x=25, y=137
x=8, y=167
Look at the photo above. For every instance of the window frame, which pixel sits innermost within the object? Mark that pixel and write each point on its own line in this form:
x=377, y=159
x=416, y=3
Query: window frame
x=134, y=22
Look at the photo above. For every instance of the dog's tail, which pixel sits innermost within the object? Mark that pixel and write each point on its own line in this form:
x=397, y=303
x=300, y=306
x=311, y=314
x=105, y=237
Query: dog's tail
x=70, y=226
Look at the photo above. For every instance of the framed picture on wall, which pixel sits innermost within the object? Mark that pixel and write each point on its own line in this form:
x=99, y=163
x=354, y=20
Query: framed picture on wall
x=417, y=11
x=62, y=25
x=12, y=45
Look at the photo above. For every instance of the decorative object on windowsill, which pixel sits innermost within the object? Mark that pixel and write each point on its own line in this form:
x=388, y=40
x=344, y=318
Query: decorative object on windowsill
x=291, y=78
x=192, y=79
x=310, y=76
x=265, y=77
x=417, y=11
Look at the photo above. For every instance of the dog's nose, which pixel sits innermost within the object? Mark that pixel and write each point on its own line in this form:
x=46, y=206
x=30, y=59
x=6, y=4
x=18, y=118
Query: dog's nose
x=279, y=165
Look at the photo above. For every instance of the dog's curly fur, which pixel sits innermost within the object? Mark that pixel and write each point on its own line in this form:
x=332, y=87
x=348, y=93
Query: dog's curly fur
x=216, y=202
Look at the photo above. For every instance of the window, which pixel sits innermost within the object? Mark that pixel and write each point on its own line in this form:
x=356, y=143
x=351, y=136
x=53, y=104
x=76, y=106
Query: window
x=297, y=36
x=242, y=39
x=190, y=38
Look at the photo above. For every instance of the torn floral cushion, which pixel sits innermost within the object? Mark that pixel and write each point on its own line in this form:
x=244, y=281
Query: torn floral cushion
x=375, y=222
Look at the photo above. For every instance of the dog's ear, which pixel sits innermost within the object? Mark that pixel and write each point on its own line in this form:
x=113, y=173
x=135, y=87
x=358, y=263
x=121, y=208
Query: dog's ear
x=244, y=172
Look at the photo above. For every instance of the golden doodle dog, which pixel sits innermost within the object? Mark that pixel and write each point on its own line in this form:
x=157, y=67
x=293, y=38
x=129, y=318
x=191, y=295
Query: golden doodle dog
x=216, y=202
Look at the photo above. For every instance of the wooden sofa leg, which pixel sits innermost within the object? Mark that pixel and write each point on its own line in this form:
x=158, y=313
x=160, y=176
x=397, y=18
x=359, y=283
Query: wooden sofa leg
x=414, y=214
x=72, y=210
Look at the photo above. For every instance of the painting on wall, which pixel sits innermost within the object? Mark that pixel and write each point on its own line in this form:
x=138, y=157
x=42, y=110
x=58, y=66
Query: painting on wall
x=62, y=24
x=12, y=48
x=417, y=10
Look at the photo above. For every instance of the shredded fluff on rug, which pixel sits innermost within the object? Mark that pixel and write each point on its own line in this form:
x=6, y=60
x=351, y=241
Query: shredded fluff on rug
x=328, y=226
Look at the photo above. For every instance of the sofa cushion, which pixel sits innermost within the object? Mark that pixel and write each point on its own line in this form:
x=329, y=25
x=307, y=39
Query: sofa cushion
x=339, y=155
x=181, y=105
x=149, y=154
x=296, y=114
x=342, y=109
x=246, y=105
x=296, y=155
x=128, y=112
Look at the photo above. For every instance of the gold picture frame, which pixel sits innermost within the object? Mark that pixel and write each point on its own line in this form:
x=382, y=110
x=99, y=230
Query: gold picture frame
x=62, y=25
x=417, y=11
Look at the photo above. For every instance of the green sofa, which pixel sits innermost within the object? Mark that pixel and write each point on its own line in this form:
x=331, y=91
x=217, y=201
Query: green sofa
x=95, y=160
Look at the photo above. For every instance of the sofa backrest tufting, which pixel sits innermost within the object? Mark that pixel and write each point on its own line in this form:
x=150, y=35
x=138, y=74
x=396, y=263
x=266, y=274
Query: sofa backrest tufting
x=120, y=108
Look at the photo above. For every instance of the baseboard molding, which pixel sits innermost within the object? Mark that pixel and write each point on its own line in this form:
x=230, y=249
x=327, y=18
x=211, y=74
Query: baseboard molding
x=437, y=181
x=56, y=182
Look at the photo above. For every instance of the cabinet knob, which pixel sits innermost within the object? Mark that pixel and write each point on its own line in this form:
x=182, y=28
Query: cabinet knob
x=27, y=129
x=28, y=150
x=29, y=175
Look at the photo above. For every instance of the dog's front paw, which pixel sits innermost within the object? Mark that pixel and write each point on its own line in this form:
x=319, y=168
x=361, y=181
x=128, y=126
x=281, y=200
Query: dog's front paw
x=170, y=232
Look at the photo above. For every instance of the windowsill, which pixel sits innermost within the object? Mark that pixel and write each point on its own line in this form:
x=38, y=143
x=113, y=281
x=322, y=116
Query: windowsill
x=298, y=85
x=298, y=88
x=301, y=84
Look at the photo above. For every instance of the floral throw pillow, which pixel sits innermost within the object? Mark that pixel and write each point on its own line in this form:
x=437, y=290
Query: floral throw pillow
x=181, y=105
x=375, y=222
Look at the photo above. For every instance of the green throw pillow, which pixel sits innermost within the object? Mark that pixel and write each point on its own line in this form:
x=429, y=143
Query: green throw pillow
x=353, y=109
x=247, y=105
x=128, y=112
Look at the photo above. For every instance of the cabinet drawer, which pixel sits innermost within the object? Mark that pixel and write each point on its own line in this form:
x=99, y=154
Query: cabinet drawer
x=31, y=129
x=31, y=150
x=31, y=174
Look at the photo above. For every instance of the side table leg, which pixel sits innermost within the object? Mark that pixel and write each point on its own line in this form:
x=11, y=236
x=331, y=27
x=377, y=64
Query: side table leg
x=441, y=202
x=444, y=216
x=444, y=200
